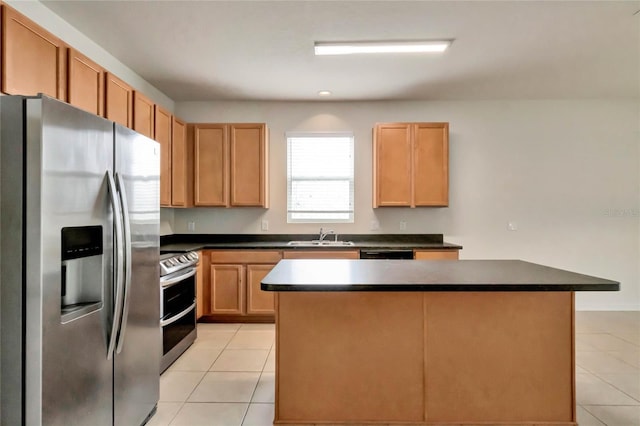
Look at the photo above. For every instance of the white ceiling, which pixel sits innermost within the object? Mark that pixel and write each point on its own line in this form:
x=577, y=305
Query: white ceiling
x=263, y=50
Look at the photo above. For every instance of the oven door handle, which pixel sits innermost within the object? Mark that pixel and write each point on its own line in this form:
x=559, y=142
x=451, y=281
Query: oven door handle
x=178, y=316
x=175, y=280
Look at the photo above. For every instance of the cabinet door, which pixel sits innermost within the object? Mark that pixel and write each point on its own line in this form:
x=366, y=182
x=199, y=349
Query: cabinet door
x=211, y=165
x=316, y=254
x=33, y=60
x=118, y=104
x=179, y=163
x=435, y=254
x=431, y=164
x=163, y=136
x=143, y=114
x=227, y=289
x=259, y=302
x=248, y=169
x=85, y=85
x=392, y=184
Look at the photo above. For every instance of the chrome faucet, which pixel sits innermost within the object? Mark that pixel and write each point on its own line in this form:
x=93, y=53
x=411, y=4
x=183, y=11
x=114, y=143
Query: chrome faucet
x=324, y=234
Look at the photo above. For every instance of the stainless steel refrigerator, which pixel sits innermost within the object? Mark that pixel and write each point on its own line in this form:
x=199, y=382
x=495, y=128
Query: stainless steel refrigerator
x=80, y=301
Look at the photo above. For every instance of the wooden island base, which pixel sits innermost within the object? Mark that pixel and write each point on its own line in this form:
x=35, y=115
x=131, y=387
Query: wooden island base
x=425, y=358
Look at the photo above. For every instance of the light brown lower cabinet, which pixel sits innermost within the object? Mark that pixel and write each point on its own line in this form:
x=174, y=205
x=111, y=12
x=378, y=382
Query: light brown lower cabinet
x=435, y=254
x=232, y=293
x=317, y=254
x=200, y=280
x=229, y=280
x=227, y=289
x=258, y=302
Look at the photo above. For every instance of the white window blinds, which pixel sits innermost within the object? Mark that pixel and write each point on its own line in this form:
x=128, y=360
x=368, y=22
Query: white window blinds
x=320, y=177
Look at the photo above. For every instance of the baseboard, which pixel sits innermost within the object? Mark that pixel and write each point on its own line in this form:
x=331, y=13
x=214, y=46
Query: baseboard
x=608, y=307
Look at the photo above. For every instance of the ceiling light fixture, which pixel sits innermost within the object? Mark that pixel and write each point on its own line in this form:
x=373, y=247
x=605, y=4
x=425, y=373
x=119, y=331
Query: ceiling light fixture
x=324, y=93
x=355, y=47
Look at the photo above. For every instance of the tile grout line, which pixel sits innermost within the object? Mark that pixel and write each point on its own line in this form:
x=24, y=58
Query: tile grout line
x=176, y=414
x=594, y=416
x=202, y=378
x=597, y=375
x=257, y=383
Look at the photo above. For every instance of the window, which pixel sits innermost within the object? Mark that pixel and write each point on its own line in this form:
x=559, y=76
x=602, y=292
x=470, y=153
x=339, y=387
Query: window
x=320, y=177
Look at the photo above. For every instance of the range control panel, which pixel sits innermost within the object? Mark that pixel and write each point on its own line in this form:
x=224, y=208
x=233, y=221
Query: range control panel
x=172, y=262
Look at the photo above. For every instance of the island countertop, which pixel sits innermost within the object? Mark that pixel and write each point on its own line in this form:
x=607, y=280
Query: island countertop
x=427, y=275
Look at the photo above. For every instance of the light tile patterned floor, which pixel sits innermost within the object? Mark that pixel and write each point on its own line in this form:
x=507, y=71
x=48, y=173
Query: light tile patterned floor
x=227, y=377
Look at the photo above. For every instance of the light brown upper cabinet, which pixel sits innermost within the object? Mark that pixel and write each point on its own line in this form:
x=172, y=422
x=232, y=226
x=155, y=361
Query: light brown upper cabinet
x=85, y=84
x=33, y=60
x=211, y=164
x=118, y=101
x=162, y=131
x=181, y=180
x=248, y=165
x=411, y=165
x=143, y=115
x=230, y=165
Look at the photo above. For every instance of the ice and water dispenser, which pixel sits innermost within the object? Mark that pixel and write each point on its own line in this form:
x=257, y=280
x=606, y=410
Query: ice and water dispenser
x=82, y=277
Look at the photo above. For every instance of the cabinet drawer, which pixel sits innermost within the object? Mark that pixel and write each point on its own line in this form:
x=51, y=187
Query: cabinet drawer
x=244, y=256
x=435, y=254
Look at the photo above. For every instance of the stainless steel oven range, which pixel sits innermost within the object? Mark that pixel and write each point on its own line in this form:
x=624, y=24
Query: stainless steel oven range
x=177, y=305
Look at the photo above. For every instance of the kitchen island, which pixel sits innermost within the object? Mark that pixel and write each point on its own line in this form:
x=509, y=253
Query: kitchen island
x=384, y=342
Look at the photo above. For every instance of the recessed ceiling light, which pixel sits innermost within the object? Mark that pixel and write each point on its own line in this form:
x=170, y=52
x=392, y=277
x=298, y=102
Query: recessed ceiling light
x=324, y=93
x=350, y=48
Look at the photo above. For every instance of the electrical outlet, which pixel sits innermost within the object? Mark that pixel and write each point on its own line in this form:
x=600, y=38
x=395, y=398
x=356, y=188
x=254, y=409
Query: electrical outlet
x=264, y=225
x=375, y=225
x=191, y=226
x=403, y=225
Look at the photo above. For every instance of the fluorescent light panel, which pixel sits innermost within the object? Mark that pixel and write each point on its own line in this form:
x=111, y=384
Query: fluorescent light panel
x=350, y=48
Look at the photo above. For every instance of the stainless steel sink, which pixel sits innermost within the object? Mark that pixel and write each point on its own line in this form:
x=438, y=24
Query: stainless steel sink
x=318, y=243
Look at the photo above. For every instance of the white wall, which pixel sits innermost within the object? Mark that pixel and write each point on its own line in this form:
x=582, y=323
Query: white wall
x=44, y=17
x=567, y=172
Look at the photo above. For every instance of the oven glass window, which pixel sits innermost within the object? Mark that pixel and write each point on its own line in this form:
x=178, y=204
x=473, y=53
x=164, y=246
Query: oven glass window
x=178, y=297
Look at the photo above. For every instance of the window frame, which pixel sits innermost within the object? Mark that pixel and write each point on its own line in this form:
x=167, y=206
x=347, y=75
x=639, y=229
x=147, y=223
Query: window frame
x=351, y=179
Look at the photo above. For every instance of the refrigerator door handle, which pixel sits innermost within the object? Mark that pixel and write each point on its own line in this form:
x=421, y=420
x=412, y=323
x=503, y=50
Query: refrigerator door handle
x=127, y=260
x=117, y=309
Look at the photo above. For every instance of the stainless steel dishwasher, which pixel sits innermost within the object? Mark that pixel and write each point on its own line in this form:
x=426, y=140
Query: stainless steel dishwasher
x=386, y=254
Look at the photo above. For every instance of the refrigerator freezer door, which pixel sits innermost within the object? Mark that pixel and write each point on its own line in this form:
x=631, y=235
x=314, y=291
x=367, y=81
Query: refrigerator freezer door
x=68, y=379
x=11, y=221
x=137, y=364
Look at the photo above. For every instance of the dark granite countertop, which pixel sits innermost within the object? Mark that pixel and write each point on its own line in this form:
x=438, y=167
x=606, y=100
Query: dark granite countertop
x=427, y=275
x=189, y=242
